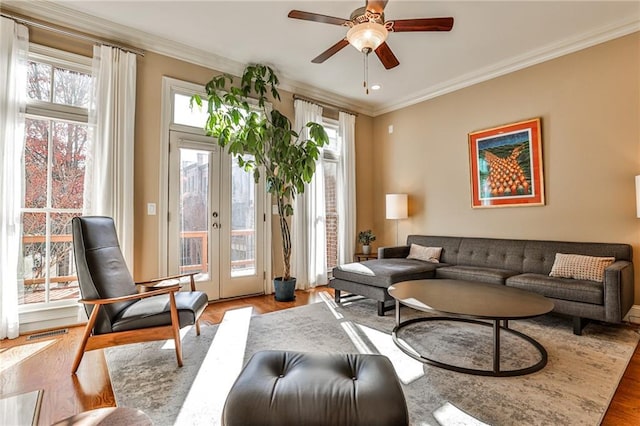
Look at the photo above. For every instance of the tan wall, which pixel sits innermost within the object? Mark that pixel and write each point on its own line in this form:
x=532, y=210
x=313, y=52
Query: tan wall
x=589, y=103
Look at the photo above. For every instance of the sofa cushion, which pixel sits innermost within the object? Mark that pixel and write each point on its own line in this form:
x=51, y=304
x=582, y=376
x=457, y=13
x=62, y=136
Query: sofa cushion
x=540, y=255
x=560, y=288
x=450, y=246
x=428, y=254
x=475, y=273
x=383, y=273
x=492, y=253
x=580, y=267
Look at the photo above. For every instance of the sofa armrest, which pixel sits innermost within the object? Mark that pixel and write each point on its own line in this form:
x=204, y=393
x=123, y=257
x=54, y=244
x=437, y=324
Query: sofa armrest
x=618, y=290
x=393, y=251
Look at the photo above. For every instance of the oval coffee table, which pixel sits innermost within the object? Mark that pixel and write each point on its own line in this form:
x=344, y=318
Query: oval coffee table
x=471, y=302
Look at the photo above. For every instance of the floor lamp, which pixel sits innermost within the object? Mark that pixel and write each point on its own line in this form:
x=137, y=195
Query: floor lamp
x=397, y=208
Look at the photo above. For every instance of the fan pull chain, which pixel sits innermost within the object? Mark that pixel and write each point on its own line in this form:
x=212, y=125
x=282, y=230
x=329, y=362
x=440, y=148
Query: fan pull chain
x=366, y=70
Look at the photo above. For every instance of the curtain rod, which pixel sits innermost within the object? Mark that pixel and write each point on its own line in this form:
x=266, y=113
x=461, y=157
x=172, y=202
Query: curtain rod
x=70, y=33
x=324, y=104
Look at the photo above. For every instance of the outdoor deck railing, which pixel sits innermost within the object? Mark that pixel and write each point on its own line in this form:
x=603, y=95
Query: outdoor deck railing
x=199, y=235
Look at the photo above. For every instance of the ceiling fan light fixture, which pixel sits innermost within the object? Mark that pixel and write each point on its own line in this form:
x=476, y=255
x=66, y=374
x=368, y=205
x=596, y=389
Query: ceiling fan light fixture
x=366, y=37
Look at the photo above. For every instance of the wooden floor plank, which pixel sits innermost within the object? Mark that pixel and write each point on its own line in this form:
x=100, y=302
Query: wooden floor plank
x=49, y=366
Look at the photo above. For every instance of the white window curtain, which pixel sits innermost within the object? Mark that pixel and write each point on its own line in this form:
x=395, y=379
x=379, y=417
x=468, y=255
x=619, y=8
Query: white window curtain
x=346, y=191
x=108, y=189
x=14, y=49
x=309, y=250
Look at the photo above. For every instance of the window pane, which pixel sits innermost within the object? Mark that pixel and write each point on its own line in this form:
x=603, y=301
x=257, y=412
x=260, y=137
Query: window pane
x=31, y=288
x=182, y=114
x=36, y=158
x=68, y=164
x=334, y=140
x=194, y=212
x=331, y=212
x=71, y=87
x=39, y=81
x=63, y=283
x=243, y=223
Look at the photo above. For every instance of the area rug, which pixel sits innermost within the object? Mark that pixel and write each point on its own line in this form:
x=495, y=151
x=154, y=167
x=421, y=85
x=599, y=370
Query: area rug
x=575, y=387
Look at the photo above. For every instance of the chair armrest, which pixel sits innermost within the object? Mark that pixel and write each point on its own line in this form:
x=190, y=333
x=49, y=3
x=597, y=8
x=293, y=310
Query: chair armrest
x=163, y=290
x=618, y=290
x=171, y=277
x=393, y=251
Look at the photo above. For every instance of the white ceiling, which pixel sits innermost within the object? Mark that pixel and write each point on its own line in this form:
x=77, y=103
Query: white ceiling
x=488, y=39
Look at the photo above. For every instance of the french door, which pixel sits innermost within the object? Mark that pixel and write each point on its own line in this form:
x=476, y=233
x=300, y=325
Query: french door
x=216, y=218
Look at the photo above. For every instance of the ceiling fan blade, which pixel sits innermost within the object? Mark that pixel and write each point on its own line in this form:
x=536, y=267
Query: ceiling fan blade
x=316, y=17
x=423, y=24
x=376, y=6
x=330, y=51
x=386, y=56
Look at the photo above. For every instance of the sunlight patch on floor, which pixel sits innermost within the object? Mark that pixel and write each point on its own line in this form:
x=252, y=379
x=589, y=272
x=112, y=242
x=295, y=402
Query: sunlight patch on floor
x=13, y=356
x=219, y=370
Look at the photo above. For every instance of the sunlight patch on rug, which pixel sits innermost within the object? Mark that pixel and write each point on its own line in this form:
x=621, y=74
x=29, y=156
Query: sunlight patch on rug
x=220, y=368
x=170, y=344
x=371, y=341
x=407, y=369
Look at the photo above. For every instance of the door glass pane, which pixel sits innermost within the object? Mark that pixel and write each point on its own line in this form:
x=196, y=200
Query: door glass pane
x=67, y=174
x=183, y=114
x=243, y=221
x=194, y=211
x=63, y=283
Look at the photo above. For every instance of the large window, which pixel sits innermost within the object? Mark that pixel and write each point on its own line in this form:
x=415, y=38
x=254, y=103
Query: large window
x=56, y=133
x=330, y=162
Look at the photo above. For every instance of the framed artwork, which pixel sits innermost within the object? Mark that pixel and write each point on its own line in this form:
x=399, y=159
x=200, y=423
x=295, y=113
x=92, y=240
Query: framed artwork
x=506, y=165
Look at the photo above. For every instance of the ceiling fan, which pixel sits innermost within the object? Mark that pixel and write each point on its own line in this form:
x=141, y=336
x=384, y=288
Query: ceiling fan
x=368, y=30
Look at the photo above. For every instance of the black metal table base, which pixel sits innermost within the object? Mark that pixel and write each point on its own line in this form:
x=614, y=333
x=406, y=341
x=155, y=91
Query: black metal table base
x=496, y=372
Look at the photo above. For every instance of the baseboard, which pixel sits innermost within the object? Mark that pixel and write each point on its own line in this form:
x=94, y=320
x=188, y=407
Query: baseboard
x=633, y=315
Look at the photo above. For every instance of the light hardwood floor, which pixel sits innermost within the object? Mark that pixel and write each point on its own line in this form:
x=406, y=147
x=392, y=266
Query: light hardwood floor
x=45, y=363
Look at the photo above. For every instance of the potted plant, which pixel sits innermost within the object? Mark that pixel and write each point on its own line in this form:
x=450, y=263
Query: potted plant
x=263, y=141
x=366, y=238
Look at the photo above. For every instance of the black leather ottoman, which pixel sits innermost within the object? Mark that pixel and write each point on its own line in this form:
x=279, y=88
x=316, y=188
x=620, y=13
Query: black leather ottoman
x=295, y=388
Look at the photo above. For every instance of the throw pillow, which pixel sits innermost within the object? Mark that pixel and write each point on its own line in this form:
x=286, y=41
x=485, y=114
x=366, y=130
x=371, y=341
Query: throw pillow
x=428, y=254
x=580, y=267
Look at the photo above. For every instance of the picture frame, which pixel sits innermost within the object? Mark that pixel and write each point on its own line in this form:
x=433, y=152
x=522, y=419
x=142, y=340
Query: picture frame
x=506, y=165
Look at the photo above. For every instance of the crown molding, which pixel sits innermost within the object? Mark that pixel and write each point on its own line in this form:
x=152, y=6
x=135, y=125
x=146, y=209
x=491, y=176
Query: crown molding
x=59, y=15
x=546, y=53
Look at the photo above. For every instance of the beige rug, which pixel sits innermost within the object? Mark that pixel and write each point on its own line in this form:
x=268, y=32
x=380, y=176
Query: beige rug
x=575, y=387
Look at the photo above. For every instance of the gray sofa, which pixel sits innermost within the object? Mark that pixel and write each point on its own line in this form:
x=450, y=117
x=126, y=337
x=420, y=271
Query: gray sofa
x=523, y=264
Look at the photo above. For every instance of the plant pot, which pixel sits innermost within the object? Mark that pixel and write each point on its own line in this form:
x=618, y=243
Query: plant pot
x=285, y=291
x=366, y=249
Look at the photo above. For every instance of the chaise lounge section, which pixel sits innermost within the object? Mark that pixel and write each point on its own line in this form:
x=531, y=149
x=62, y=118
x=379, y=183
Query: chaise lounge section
x=525, y=264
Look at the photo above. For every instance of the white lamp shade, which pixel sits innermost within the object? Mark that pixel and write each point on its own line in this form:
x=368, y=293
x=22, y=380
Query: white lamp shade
x=368, y=35
x=397, y=206
x=638, y=196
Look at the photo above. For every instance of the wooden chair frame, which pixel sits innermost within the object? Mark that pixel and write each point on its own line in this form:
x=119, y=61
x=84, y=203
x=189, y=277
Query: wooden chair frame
x=92, y=341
